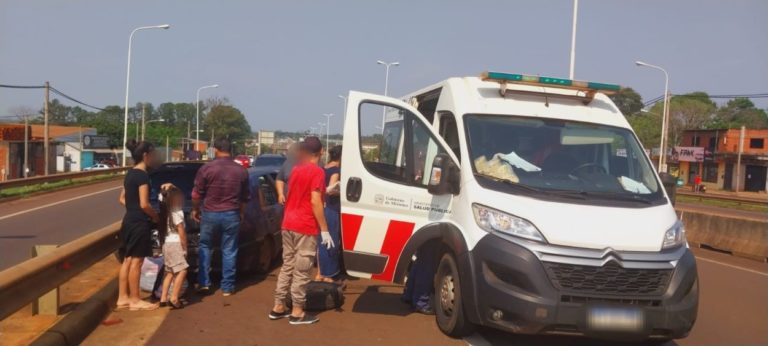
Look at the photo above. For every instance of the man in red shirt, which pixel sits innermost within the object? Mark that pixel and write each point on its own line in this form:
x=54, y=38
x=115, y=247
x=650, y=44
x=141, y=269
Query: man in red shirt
x=302, y=218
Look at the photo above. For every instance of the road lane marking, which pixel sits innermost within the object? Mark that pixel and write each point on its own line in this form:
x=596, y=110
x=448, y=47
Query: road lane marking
x=733, y=266
x=57, y=203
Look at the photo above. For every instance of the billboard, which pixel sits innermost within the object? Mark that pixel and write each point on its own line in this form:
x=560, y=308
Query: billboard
x=687, y=154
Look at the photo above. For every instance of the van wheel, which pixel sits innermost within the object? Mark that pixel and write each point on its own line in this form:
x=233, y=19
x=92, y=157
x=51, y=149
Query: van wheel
x=449, y=305
x=263, y=261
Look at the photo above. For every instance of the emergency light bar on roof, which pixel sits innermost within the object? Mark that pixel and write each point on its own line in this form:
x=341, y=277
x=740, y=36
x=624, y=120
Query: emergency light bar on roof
x=588, y=88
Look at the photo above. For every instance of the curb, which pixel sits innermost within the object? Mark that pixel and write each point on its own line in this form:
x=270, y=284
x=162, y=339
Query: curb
x=78, y=324
x=63, y=188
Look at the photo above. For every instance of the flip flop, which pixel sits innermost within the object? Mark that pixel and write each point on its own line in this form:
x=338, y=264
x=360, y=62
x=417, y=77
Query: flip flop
x=144, y=307
x=122, y=307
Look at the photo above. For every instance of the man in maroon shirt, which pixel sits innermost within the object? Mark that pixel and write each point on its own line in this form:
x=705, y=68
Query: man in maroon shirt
x=302, y=217
x=222, y=185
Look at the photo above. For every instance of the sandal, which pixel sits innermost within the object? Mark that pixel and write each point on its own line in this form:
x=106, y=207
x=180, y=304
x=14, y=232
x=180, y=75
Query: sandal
x=144, y=306
x=122, y=307
x=175, y=306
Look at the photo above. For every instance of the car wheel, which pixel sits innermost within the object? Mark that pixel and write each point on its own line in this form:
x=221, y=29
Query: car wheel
x=449, y=306
x=265, y=257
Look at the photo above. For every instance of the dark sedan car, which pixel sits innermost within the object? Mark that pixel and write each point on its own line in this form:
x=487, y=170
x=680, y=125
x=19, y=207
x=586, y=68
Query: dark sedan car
x=259, y=239
x=269, y=160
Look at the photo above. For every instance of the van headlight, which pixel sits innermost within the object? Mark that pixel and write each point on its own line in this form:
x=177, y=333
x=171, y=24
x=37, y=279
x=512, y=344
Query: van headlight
x=674, y=236
x=492, y=220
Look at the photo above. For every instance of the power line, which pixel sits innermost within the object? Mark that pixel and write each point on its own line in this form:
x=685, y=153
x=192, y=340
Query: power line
x=22, y=86
x=58, y=92
x=725, y=96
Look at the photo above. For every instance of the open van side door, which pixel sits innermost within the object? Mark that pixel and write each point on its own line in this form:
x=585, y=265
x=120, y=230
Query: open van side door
x=387, y=160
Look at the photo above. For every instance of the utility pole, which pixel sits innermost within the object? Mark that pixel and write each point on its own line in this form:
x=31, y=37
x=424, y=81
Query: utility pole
x=738, y=159
x=47, y=140
x=26, y=146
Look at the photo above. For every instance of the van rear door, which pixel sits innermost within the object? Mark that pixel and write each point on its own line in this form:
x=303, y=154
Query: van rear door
x=386, y=163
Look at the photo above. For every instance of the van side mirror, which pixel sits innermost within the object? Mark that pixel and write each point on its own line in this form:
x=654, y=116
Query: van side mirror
x=445, y=176
x=669, y=182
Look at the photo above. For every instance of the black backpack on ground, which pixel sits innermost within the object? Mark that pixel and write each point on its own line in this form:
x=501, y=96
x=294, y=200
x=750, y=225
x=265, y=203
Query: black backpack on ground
x=324, y=296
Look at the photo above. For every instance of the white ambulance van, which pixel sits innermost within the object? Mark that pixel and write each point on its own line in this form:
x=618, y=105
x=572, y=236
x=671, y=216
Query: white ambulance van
x=549, y=214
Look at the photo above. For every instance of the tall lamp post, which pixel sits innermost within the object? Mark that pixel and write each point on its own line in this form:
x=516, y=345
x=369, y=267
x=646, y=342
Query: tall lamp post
x=327, y=133
x=197, y=111
x=386, y=84
x=144, y=126
x=573, y=39
x=664, y=118
x=128, y=83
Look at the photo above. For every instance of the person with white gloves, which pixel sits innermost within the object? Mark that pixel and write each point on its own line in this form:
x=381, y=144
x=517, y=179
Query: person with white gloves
x=329, y=258
x=302, y=218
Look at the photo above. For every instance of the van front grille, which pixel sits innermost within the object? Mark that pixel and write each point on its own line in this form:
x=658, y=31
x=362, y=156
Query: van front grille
x=610, y=279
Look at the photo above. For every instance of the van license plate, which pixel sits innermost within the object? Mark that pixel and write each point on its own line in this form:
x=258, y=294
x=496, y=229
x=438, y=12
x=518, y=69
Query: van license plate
x=615, y=319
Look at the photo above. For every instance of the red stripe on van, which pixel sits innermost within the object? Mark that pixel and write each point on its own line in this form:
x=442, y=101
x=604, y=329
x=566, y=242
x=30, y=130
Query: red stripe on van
x=350, y=228
x=398, y=233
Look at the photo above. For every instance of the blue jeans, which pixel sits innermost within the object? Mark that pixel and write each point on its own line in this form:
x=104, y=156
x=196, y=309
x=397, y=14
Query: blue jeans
x=420, y=283
x=328, y=260
x=227, y=224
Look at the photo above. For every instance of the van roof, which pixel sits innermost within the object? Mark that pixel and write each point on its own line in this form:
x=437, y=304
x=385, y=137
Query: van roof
x=472, y=95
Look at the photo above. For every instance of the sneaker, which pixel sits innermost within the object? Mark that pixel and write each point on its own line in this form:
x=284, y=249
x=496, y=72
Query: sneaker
x=274, y=315
x=226, y=294
x=203, y=290
x=306, y=319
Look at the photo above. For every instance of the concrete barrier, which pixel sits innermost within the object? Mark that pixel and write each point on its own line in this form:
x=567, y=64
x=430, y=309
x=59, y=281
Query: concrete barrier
x=741, y=237
x=78, y=324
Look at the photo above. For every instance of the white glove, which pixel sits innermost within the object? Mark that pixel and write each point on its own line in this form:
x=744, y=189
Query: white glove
x=327, y=240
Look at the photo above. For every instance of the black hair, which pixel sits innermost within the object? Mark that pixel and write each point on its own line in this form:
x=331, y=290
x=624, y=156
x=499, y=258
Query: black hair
x=138, y=149
x=334, y=154
x=165, y=212
x=223, y=145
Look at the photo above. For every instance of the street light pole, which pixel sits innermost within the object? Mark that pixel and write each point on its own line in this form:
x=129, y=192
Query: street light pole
x=327, y=133
x=573, y=38
x=197, y=117
x=128, y=84
x=386, y=84
x=144, y=126
x=664, y=119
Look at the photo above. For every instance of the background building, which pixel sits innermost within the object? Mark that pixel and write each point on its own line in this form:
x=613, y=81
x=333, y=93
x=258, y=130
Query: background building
x=718, y=162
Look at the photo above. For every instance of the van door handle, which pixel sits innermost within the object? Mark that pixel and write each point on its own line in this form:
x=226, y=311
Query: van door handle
x=354, y=189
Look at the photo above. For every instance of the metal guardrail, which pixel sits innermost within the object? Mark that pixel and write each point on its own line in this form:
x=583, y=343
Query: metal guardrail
x=25, y=282
x=737, y=199
x=58, y=177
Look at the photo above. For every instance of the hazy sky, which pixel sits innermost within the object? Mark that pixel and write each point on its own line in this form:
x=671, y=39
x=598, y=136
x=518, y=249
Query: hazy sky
x=283, y=63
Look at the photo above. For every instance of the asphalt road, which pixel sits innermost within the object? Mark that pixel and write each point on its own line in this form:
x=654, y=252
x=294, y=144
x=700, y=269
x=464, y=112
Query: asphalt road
x=733, y=311
x=55, y=218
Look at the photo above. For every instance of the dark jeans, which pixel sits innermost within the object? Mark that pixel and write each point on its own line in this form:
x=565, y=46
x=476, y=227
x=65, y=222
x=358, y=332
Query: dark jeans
x=227, y=224
x=328, y=260
x=420, y=284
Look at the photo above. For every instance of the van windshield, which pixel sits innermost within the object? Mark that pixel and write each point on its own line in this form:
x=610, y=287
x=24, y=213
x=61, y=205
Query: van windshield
x=562, y=158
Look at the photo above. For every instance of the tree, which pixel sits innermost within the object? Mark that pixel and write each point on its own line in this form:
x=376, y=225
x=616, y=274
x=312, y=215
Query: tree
x=739, y=112
x=686, y=112
x=647, y=126
x=628, y=101
x=226, y=121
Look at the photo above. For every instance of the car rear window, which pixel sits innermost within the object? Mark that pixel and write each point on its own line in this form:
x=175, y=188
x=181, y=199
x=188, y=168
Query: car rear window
x=183, y=178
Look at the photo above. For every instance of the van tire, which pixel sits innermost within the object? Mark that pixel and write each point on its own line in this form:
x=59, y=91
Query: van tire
x=449, y=303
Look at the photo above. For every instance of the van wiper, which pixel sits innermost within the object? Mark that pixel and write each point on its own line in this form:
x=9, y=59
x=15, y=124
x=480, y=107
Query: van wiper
x=608, y=195
x=511, y=183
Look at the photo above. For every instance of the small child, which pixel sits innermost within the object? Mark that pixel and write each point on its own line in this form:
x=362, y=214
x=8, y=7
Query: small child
x=174, y=241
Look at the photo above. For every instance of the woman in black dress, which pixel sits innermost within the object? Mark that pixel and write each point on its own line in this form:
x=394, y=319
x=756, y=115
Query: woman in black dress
x=136, y=231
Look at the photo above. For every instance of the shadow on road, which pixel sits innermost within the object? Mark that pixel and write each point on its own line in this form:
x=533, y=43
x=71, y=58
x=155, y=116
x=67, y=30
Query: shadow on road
x=379, y=299
x=498, y=338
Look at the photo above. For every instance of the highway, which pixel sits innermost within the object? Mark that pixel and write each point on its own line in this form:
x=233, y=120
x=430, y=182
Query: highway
x=733, y=311
x=55, y=218
x=733, y=307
